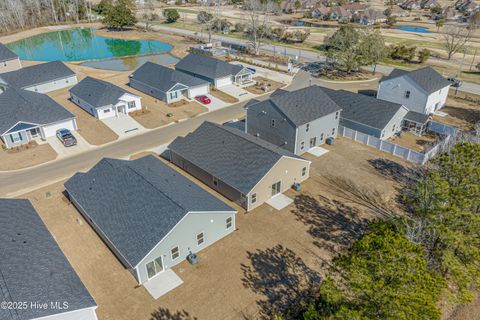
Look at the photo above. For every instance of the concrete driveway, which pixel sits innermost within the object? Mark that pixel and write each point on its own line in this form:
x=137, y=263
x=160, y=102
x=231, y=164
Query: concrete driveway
x=62, y=151
x=124, y=126
x=267, y=73
x=237, y=92
x=215, y=104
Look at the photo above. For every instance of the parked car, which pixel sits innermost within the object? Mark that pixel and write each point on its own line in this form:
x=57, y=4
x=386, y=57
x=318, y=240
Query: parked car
x=456, y=83
x=203, y=99
x=66, y=137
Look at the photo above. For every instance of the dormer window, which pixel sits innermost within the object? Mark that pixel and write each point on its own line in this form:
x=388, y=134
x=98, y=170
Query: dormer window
x=407, y=94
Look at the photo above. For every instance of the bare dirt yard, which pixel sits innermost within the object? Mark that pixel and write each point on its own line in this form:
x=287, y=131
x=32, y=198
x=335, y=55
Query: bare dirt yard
x=272, y=259
x=225, y=97
x=25, y=156
x=264, y=85
x=93, y=130
x=463, y=111
x=414, y=142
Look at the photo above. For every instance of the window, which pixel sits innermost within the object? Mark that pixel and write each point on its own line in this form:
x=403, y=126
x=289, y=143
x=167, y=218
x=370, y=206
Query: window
x=393, y=128
x=321, y=136
x=106, y=111
x=273, y=123
x=229, y=222
x=175, y=253
x=173, y=95
x=253, y=198
x=154, y=267
x=16, y=137
x=131, y=105
x=302, y=145
x=308, y=127
x=407, y=94
x=200, y=239
x=333, y=131
x=304, y=171
x=336, y=115
x=215, y=181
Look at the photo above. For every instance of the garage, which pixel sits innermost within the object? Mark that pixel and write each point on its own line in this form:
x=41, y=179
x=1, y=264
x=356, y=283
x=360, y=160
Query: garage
x=199, y=90
x=221, y=82
x=50, y=130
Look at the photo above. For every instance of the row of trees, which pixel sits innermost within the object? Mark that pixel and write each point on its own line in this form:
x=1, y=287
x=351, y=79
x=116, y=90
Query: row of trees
x=21, y=14
x=403, y=267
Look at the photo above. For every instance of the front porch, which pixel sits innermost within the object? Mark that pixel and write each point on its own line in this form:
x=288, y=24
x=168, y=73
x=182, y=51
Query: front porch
x=21, y=134
x=244, y=77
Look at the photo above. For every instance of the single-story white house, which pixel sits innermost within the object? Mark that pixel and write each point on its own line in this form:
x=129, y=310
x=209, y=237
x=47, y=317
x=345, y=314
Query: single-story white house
x=219, y=73
x=423, y=90
x=167, y=84
x=34, y=271
x=104, y=100
x=42, y=78
x=28, y=115
x=9, y=60
x=149, y=215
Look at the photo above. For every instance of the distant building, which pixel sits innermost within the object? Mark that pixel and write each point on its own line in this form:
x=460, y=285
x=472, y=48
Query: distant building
x=9, y=60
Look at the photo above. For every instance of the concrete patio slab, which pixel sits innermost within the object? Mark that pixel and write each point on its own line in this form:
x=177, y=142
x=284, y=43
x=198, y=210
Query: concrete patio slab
x=317, y=151
x=162, y=283
x=124, y=126
x=279, y=201
x=237, y=92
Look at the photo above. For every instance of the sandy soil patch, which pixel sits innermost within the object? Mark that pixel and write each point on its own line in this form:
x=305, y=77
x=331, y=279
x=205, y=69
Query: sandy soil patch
x=264, y=85
x=254, y=270
x=414, y=142
x=225, y=97
x=89, y=127
x=25, y=156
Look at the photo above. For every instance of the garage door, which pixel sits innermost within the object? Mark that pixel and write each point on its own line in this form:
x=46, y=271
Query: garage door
x=193, y=92
x=50, y=130
x=223, y=82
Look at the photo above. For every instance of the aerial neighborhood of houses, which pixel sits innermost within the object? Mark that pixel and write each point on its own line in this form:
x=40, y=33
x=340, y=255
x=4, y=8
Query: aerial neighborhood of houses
x=156, y=211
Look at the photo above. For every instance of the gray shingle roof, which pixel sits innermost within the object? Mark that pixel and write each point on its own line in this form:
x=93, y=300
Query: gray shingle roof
x=98, y=93
x=6, y=54
x=417, y=117
x=427, y=78
x=21, y=105
x=32, y=266
x=37, y=74
x=140, y=202
x=364, y=109
x=164, y=78
x=303, y=105
x=206, y=66
x=234, y=157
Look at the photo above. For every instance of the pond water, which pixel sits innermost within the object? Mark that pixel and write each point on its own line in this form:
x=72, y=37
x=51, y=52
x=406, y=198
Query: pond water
x=131, y=63
x=412, y=29
x=82, y=44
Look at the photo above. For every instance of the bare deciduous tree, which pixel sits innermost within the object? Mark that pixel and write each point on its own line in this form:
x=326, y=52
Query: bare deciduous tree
x=258, y=21
x=455, y=38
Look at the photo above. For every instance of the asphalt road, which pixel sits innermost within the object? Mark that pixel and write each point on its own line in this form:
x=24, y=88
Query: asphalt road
x=14, y=183
x=292, y=52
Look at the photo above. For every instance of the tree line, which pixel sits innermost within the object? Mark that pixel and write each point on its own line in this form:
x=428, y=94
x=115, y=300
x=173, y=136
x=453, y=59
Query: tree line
x=23, y=14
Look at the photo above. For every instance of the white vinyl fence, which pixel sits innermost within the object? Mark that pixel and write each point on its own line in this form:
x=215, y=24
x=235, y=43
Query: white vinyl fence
x=392, y=148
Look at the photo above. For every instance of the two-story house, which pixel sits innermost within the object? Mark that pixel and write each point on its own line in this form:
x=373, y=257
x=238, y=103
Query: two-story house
x=296, y=120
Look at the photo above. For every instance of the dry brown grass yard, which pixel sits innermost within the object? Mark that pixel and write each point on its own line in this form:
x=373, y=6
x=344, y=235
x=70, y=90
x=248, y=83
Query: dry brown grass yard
x=463, y=111
x=225, y=97
x=272, y=258
x=25, y=156
x=89, y=127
